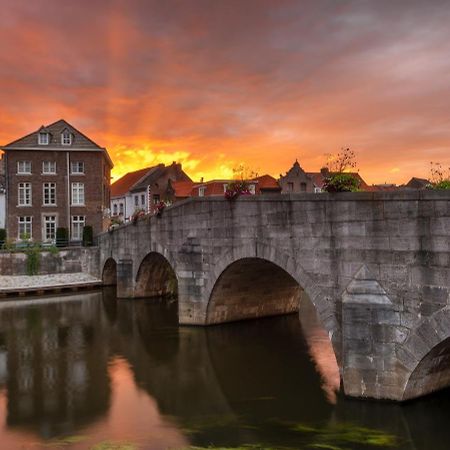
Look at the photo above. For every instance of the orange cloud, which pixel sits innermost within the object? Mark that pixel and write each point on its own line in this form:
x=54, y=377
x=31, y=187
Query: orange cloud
x=214, y=84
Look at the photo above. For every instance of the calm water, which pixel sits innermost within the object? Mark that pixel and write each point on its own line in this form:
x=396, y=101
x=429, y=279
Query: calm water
x=93, y=372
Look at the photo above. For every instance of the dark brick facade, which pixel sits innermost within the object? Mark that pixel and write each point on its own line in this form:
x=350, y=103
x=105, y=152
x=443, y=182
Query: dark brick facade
x=95, y=179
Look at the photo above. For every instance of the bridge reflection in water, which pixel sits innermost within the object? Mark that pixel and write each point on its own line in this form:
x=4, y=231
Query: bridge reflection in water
x=93, y=368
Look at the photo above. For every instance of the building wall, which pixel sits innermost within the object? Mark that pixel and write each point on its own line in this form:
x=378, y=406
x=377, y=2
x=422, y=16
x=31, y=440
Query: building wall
x=296, y=180
x=96, y=187
x=2, y=209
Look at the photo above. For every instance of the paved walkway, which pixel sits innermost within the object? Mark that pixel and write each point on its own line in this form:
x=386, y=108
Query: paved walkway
x=8, y=283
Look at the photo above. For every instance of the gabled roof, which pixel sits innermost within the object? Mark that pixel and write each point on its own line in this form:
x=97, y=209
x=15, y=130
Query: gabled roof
x=128, y=181
x=150, y=177
x=417, y=183
x=79, y=140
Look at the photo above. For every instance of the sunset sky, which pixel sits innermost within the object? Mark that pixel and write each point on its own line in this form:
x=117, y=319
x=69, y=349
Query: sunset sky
x=215, y=83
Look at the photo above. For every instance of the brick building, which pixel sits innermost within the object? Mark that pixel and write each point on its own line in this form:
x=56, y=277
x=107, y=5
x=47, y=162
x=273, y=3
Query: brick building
x=144, y=188
x=56, y=177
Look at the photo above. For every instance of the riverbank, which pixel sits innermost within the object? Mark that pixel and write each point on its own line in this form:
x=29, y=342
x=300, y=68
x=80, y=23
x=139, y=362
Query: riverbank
x=11, y=285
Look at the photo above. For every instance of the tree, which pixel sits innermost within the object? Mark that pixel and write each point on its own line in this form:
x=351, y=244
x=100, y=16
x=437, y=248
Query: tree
x=244, y=173
x=338, y=167
x=440, y=177
x=343, y=161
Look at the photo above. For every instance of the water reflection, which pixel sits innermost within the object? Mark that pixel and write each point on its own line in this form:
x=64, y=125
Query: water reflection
x=79, y=371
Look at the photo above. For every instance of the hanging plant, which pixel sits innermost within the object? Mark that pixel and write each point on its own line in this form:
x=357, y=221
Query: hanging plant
x=160, y=207
x=138, y=213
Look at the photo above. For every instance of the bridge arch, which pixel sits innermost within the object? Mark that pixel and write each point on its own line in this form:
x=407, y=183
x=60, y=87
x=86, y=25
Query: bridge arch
x=109, y=272
x=426, y=353
x=250, y=288
x=283, y=262
x=155, y=277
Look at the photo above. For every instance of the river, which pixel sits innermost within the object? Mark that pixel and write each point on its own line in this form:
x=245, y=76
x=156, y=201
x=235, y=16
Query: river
x=92, y=372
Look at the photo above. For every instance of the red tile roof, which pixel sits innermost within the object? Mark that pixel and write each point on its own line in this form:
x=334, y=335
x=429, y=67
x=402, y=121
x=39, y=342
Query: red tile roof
x=267, y=182
x=216, y=187
x=124, y=184
x=183, y=189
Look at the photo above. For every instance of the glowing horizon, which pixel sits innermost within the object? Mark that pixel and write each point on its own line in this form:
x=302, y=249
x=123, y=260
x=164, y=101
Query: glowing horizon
x=216, y=84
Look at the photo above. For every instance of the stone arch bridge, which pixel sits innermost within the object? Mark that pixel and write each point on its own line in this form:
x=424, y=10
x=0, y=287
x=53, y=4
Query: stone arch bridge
x=376, y=266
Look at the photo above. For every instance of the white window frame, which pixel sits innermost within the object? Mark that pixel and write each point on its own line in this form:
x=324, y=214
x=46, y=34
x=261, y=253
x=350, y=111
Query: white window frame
x=201, y=191
x=317, y=190
x=252, y=189
x=75, y=166
x=225, y=187
x=53, y=220
x=22, y=168
x=136, y=201
x=41, y=140
x=64, y=136
x=78, y=194
x=115, y=209
x=51, y=187
x=24, y=194
x=48, y=167
x=120, y=208
x=25, y=221
x=77, y=220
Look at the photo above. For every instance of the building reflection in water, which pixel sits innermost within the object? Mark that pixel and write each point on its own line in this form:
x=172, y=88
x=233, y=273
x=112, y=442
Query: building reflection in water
x=124, y=370
x=53, y=363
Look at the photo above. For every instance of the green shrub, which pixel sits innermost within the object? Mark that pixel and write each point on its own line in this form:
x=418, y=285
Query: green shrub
x=33, y=253
x=62, y=237
x=341, y=182
x=442, y=185
x=2, y=236
x=88, y=236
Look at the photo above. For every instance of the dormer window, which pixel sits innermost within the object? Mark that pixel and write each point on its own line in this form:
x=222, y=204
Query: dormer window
x=66, y=138
x=43, y=138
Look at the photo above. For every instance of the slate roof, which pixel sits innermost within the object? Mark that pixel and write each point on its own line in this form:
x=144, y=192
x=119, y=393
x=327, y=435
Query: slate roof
x=150, y=177
x=79, y=140
x=417, y=183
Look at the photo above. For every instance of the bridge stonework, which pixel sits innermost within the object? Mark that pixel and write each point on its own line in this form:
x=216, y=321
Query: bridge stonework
x=376, y=266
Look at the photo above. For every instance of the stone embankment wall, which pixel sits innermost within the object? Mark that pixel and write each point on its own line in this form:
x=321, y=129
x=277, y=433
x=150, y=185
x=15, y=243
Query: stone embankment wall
x=70, y=260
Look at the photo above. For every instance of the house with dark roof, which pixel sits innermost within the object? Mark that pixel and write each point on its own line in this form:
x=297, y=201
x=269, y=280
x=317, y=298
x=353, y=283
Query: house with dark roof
x=143, y=189
x=417, y=183
x=56, y=177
